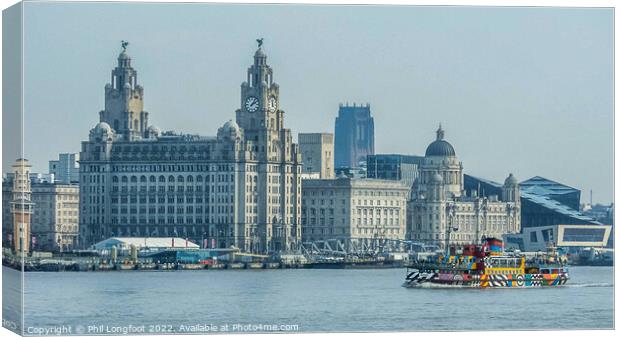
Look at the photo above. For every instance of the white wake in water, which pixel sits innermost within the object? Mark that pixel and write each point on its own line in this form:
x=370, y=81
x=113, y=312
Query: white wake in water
x=428, y=285
x=588, y=285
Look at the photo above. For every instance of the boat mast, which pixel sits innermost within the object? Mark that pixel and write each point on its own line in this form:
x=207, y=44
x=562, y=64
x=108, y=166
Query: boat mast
x=450, y=212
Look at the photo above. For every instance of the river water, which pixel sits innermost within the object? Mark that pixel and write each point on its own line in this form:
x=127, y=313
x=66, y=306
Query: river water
x=303, y=300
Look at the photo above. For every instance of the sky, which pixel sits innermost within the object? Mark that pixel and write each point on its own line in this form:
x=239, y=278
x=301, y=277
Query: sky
x=527, y=91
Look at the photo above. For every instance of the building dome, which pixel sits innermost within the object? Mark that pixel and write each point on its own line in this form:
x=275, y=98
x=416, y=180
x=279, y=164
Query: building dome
x=511, y=180
x=440, y=147
x=154, y=130
x=231, y=126
x=103, y=127
x=230, y=129
x=101, y=131
x=124, y=56
x=260, y=53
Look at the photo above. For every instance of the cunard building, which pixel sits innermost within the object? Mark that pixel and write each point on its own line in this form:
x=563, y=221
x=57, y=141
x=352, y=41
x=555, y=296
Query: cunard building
x=240, y=188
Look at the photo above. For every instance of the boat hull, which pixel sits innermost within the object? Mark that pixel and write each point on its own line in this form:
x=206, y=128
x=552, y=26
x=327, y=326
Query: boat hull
x=418, y=278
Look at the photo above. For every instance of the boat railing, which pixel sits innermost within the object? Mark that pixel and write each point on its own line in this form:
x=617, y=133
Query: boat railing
x=435, y=266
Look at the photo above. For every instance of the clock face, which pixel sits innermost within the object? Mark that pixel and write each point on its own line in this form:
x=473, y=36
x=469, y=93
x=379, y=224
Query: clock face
x=251, y=104
x=272, y=104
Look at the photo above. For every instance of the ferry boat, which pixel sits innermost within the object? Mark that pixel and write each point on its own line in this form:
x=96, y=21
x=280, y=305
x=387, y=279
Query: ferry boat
x=488, y=266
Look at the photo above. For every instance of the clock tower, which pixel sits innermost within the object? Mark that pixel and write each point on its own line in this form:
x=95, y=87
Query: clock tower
x=124, y=100
x=273, y=163
x=260, y=115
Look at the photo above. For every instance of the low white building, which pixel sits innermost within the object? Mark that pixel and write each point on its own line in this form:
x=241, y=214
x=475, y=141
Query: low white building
x=533, y=239
x=125, y=243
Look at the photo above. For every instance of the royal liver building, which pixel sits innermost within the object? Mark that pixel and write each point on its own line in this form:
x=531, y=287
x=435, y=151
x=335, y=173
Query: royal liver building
x=240, y=188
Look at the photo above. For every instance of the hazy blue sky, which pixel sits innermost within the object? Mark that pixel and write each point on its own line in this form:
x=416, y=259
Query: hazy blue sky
x=522, y=90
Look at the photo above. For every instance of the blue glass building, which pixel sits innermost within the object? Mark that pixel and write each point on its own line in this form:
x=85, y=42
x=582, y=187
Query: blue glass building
x=354, y=136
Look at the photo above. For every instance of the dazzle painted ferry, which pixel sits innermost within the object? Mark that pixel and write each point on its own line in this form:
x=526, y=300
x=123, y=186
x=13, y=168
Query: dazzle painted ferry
x=488, y=266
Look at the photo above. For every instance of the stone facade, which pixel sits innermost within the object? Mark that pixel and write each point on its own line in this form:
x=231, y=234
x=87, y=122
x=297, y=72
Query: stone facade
x=317, y=154
x=347, y=208
x=440, y=209
x=55, y=222
x=240, y=188
x=54, y=218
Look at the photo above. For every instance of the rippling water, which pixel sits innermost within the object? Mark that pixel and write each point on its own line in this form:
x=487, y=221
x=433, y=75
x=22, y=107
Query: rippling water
x=312, y=300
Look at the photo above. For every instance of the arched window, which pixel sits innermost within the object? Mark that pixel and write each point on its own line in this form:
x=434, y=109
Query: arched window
x=152, y=179
x=142, y=179
x=115, y=179
x=180, y=179
x=190, y=179
x=134, y=179
x=162, y=179
x=124, y=179
x=170, y=179
x=199, y=179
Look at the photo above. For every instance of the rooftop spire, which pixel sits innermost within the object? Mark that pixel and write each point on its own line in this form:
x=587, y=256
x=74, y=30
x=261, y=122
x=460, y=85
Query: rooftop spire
x=440, y=133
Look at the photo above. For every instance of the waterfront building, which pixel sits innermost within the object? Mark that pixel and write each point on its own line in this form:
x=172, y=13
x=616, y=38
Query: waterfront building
x=354, y=135
x=539, y=206
x=553, y=190
x=54, y=220
x=394, y=167
x=17, y=207
x=346, y=208
x=21, y=207
x=440, y=209
x=66, y=169
x=124, y=244
x=240, y=188
x=548, y=216
x=571, y=237
x=317, y=154
x=601, y=213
